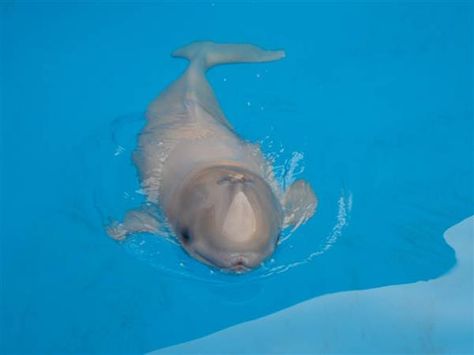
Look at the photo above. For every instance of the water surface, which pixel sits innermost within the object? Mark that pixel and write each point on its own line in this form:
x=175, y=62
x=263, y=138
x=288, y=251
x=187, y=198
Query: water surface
x=377, y=97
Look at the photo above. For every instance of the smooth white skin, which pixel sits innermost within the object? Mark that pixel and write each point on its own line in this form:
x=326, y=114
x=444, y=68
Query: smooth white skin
x=240, y=223
x=217, y=191
x=227, y=217
x=186, y=132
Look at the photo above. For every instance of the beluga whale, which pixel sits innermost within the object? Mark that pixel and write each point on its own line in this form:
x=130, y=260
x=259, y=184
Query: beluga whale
x=217, y=191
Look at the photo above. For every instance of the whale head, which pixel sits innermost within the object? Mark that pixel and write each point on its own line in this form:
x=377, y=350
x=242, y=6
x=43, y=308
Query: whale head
x=227, y=217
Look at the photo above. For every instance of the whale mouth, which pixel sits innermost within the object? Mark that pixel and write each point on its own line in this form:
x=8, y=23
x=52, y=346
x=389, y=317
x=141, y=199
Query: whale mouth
x=239, y=268
x=204, y=259
x=240, y=264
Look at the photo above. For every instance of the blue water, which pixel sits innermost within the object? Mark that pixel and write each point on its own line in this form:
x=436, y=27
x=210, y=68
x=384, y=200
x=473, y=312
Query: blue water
x=376, y=98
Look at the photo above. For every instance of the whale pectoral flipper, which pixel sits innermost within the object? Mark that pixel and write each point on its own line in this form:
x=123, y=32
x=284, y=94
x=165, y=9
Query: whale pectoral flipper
x=299, y=203
x=136, y=221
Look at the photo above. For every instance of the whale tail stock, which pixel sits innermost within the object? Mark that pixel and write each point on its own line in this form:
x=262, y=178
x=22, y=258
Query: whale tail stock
x=204, y=55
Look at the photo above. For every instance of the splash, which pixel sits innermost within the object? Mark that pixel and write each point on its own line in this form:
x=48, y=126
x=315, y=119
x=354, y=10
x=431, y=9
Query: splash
x=344, y=204
x=117, y=189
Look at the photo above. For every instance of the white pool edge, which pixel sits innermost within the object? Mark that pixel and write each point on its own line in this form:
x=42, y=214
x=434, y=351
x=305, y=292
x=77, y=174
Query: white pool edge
x=435, y=316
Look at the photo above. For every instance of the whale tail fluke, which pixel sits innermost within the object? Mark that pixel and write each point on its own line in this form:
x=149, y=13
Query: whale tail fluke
x=204, y=55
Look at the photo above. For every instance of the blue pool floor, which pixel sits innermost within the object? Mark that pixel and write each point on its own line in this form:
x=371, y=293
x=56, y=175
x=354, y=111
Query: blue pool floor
x=377, y=97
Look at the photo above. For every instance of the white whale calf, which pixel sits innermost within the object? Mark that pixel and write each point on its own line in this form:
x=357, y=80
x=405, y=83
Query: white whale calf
x=216, y=190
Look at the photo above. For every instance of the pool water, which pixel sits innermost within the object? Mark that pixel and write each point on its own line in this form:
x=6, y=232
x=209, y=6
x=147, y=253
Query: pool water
x=372, y=105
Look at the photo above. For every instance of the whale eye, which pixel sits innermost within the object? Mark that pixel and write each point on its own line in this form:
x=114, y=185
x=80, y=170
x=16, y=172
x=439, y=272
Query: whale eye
x=185, y=236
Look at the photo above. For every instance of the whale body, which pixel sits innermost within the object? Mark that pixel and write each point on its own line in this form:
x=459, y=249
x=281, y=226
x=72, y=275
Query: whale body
x=216, y=190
